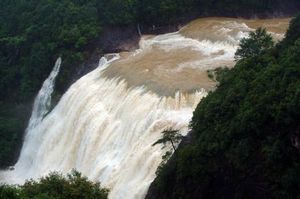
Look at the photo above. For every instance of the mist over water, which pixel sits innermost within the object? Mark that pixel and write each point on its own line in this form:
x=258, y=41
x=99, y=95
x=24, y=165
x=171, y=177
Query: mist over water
x=106, y=123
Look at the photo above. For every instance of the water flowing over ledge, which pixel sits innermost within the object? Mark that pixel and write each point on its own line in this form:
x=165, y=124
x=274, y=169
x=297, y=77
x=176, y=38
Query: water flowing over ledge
x=42, y=101
x=105, y=131
x=106, y=123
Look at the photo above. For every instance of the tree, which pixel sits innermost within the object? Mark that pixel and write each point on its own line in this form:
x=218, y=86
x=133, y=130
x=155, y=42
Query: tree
x=245, y=135
x=293, y=32
x=169, y=135
x=56, y=186
x=258, y=42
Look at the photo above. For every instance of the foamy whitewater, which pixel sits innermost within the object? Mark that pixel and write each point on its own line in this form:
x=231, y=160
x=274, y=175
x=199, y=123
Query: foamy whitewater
x=105, y=127
x=42, y=101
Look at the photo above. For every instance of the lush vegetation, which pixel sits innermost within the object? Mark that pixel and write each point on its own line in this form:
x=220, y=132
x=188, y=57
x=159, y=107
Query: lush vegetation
x=245, y=140
x=257, y=43
x=55, y=186
x=33, y=33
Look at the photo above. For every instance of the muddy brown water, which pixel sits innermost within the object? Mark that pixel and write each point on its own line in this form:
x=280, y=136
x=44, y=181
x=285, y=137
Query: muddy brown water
x=179, y=61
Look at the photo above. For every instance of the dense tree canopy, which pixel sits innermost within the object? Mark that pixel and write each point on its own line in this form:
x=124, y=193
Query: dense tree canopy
x=245, y=135
x=33, y=33
x=258, y=42
x=56, y=186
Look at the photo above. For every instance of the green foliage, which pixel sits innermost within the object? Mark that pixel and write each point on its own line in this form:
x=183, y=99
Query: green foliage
x=34, y=33
x=218, y=73
x=293, y=32
x=12, y=124
x=245, y=140
x=258, y=42
x=56, y=186
x=171, y=136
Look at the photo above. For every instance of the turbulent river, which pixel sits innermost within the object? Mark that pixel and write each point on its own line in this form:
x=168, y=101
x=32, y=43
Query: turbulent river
x=106, y=123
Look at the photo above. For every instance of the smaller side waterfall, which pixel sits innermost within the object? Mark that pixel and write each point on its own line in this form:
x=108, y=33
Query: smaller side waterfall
x=40, y=108
x=106, y=123
x=42, y=101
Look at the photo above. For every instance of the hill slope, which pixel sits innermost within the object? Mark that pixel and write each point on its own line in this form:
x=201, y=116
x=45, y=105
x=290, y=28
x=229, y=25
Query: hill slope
x=245, y=139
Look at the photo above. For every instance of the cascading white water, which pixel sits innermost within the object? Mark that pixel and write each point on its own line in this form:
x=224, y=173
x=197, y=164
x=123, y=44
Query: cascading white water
x=42, y=101
x=41, y=105
x=105, y=131
x=106, y=123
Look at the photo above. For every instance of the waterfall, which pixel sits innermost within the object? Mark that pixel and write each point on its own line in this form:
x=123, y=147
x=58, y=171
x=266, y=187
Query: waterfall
x=42, y=101
x=106, y=131
x=41, y=106
x=105, y=124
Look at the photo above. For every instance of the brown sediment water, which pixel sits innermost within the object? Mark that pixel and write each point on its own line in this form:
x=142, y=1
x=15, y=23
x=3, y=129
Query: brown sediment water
x=179, y=61
x=214, y=28
x=106, y=123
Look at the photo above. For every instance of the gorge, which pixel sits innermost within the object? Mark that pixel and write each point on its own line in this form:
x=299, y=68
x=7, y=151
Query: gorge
x=106, y=123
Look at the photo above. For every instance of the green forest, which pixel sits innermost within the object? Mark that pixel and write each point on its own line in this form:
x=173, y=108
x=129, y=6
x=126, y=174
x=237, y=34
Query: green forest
x=244, y=141
x=33, y=33
x=245, y=135
x=56, y=186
